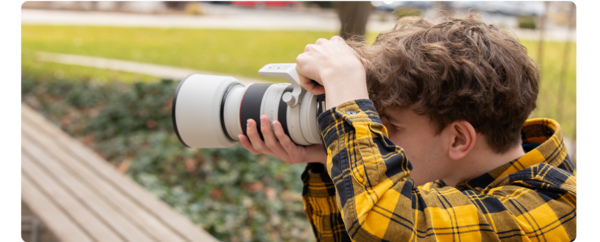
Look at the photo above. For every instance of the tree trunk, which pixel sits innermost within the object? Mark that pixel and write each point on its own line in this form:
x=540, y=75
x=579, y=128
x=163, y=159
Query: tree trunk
x=353, y=18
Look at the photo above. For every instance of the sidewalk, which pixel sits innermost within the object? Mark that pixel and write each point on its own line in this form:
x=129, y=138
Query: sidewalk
x=226, y=17
x=166, y=72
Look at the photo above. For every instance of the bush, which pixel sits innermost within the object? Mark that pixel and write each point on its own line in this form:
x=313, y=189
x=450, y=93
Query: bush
x=232, y=194
x=403, y=12
x=527, y=22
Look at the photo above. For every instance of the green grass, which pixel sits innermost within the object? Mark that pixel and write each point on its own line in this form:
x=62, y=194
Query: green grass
x=41, y=69
x=552, y=82
x=243, y=52
x=237, y=52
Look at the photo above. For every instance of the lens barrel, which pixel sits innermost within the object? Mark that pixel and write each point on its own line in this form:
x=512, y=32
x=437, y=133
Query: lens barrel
x=210, y=111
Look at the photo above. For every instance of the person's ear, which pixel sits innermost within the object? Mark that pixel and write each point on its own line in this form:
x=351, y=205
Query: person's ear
x=462, y=139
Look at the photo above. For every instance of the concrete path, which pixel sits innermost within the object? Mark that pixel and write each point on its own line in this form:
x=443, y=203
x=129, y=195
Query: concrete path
x=167, y=72
x=259, y=20
x=227, y=17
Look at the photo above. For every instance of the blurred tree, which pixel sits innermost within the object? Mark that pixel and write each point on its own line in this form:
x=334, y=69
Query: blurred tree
x=353, y=18
x=321, y=4
x=177, y=5
x=119, y=5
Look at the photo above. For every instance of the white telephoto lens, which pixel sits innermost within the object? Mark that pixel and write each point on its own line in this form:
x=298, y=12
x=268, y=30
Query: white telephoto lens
x=210, y=111
x=197, y=109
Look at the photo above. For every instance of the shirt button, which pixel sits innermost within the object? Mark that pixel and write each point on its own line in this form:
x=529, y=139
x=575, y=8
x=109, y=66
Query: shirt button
x=350, y=112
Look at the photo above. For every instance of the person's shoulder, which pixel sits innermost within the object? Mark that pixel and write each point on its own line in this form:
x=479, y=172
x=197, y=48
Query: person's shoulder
x=536, y=188
x=543, y=176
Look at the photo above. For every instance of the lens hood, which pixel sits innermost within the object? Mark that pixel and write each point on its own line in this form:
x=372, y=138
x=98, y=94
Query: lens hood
x=197, y=108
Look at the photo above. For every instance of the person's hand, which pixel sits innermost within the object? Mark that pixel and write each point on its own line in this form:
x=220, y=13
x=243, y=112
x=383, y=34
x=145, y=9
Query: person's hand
x=334, y=65
x=283, y=148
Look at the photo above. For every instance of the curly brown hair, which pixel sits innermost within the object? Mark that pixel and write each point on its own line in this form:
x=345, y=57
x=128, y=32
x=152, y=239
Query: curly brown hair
x=458, y=69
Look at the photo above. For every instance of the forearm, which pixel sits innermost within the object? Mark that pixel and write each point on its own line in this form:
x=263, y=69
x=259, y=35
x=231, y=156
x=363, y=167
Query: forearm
x=341, y=88
x=367, y=184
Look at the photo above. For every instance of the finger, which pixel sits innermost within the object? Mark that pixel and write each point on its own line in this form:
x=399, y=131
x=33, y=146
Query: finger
x=316, y=89
x=270, y=140
x=246, y=144
x=254, y=137
x=287, y=144
x=321, y=41
x=337, y=38
x=308, y=85
x=309, y=48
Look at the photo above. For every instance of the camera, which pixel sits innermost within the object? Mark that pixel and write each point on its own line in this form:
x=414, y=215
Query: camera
x=210, y=111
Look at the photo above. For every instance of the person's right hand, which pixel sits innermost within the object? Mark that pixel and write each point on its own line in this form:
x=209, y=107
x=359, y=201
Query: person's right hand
x=281, y=147
x=336, y=67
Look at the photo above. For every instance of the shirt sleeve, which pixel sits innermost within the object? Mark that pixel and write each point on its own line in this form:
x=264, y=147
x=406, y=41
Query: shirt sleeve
x=378, y=201
x=318, y=194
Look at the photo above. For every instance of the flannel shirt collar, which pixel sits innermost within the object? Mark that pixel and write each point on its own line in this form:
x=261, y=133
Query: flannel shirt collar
x=542, y=140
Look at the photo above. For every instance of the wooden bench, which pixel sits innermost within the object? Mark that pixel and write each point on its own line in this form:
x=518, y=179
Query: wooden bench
x=81, y=197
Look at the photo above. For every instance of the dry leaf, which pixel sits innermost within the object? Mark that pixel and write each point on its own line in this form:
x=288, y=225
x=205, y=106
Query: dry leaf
x=190, y=165
x=123, y=166
x=151, y=124
x=270, y=193
x=88, y=139
x=255, y=187
x=216, y=193
x=65, y=120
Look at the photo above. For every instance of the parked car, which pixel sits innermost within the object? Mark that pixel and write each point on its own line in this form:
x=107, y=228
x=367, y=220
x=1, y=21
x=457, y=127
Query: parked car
x=511, y=8
x=220, y=2
x=393, y=5
x=263, y=4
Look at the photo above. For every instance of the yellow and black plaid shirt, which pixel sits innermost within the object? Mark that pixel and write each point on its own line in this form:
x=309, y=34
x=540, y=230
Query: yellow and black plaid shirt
x=367, y=178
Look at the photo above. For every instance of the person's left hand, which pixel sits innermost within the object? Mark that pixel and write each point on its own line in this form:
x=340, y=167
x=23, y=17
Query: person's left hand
x=283, y=148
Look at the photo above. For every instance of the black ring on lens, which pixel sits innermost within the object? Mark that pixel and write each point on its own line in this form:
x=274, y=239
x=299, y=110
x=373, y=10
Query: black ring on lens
x=251, y=104
x=282, y=111
x=222, y=118
x=173, y=111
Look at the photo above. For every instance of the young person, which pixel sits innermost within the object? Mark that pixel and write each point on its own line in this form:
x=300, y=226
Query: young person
x=426, y=139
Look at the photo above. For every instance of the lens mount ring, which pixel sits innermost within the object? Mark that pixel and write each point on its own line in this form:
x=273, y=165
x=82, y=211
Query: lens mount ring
x=223, y=108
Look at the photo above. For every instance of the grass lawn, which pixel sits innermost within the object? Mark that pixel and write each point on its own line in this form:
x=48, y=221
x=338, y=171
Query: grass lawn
x=223, y=51
x=49, y=70
x=243, y=52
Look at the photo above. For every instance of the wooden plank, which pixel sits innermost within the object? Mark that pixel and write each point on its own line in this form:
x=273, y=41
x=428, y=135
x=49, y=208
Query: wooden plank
x=62, y=226
x=176, y=221
x=115, y=220
x=65, y=200
x=119, y=201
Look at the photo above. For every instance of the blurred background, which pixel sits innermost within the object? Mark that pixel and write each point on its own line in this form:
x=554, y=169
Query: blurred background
x=106, y=72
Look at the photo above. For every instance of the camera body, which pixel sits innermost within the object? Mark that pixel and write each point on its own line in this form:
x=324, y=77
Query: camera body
x=210, y=111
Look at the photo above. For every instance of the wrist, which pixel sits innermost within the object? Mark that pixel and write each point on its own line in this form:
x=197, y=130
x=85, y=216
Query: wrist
x=344, y=82
x=344, y=92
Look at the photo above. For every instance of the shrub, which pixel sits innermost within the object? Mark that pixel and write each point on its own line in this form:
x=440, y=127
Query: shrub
x=527, y=22
x=403, y=12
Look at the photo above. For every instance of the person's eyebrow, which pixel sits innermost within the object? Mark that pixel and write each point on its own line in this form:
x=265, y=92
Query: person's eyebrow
x=392, y=119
